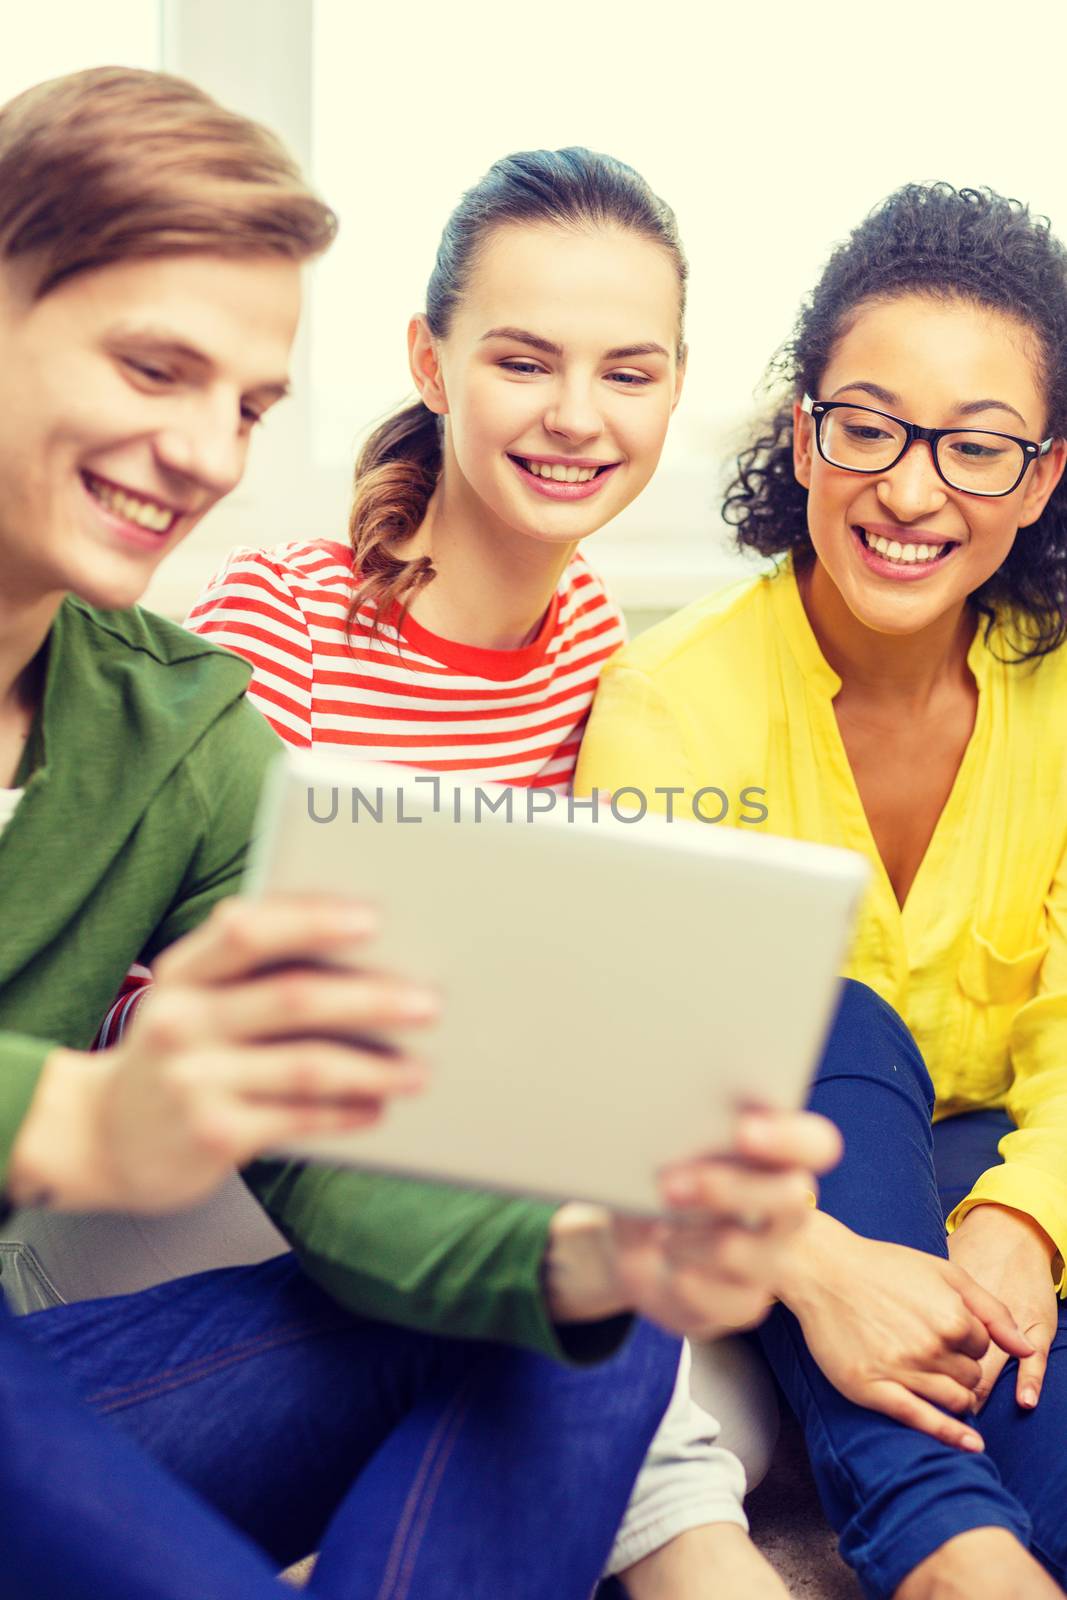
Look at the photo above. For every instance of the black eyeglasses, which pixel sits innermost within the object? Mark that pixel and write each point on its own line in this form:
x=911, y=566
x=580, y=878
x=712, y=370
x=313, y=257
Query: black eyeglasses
x=973, y=460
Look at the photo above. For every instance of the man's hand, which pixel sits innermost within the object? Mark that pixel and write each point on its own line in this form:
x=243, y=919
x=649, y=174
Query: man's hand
x=708, y=1269
x=253, y=1036
x=1009, y=1254
x=895, y=1329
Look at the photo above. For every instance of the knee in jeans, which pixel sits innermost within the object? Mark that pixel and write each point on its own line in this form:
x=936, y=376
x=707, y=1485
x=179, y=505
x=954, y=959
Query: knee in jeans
x=868, y=1029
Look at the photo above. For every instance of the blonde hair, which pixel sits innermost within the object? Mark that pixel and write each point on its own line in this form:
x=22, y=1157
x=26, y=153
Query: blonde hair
x=115, y=164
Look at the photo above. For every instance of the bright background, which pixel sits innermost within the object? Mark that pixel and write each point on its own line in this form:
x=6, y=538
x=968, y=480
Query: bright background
x=771, y=131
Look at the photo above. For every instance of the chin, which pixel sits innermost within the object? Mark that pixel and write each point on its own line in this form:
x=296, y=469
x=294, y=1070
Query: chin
x=109, y=591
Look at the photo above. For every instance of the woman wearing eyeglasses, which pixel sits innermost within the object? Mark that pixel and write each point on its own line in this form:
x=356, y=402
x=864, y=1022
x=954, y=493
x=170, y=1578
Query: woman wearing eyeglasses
x=898, y=685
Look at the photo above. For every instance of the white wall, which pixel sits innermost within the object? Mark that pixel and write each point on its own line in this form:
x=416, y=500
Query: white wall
x=770, y=129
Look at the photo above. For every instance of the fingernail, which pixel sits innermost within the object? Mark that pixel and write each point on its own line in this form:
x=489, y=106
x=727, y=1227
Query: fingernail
x=971, y=1441
x=1028, y=1397
x=755, y=1129
x=418, y=1003
x=680, y=1190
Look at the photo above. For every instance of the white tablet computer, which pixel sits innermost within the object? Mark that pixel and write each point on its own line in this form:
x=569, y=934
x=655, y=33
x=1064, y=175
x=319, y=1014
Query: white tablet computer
x=613, y=992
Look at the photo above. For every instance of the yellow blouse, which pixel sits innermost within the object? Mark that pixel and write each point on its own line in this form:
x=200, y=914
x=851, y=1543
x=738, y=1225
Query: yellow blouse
x=733, y=696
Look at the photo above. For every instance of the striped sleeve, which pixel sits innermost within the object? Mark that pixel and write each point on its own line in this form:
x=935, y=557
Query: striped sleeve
x=135, y=986
x=250, y=607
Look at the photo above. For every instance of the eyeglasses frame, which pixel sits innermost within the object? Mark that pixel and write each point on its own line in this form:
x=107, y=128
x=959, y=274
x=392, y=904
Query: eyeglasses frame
x=818, y=409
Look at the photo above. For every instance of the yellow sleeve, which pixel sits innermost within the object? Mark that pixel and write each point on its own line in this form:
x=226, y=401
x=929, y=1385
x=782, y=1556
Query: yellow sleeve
x=633, y=741
x=1033, y=1177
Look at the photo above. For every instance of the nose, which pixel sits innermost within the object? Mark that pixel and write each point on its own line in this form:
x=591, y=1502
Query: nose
x=912, y=488
x=206, y=445
x=572, y=413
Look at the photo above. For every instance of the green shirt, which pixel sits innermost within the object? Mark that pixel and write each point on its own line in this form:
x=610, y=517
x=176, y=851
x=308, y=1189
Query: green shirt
x=141, y=776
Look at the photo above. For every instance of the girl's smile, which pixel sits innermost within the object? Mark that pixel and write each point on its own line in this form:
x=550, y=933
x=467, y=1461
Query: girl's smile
x=562, y=477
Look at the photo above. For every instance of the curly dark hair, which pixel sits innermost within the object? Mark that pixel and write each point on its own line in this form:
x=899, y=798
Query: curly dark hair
x=932, y=240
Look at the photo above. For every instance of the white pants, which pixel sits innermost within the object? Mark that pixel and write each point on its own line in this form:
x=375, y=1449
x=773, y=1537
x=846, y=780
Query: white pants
x=697, y=1468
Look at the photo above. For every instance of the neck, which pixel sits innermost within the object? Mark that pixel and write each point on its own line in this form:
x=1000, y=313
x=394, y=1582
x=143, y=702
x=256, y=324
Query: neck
x=907, y=668
x=492, y=585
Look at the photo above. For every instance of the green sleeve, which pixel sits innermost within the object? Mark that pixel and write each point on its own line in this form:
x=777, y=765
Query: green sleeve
x=21, y=1060
x=224, y=775
x=453, y=1262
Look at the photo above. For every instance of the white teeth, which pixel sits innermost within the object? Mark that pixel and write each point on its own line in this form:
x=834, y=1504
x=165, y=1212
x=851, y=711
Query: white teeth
x=558, y=472
x=157, y=519
x=906, y=554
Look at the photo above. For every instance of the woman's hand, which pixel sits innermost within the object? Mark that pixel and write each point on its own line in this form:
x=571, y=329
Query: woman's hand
x=710, y=1269
x=1011, y=1255
x=248, y=1040
x=895, y=1329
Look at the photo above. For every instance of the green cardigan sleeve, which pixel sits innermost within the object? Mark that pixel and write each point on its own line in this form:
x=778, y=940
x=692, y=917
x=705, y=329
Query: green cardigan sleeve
x=454, y=1262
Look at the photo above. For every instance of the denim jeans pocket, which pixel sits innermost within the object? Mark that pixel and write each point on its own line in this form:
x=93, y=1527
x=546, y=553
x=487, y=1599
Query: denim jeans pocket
x=26, y=1285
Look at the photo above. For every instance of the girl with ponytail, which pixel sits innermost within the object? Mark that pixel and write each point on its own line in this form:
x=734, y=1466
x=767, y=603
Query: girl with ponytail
x=460, y=629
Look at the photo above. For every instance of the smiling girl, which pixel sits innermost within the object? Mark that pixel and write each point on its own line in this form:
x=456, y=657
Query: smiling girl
x=460, y=630
x=903, y=695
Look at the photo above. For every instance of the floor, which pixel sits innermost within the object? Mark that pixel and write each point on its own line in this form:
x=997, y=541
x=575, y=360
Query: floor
x=788, y=1525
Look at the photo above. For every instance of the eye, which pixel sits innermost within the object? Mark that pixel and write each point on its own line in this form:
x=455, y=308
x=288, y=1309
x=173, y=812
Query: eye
x=972, y=450
x=147, y=371
x=629, y=380
x=865, y=433
x=525, y=369
x=250, y=415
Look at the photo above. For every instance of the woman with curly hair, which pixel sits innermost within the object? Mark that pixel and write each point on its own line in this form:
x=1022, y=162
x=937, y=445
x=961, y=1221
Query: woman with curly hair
x=897, y=685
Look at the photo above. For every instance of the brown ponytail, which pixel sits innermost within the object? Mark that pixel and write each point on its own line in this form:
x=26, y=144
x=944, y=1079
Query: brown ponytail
x=396, y=474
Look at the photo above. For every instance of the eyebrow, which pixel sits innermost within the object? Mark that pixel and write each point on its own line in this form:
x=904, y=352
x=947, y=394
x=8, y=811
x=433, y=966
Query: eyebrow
x=622, y=352
x=966, y=408
x=165, y=341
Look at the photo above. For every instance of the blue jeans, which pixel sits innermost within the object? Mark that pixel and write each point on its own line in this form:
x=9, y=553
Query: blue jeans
x=187, y=1441
x=893, y=1494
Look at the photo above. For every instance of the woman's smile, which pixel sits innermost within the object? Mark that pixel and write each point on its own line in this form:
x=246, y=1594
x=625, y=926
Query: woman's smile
x=904, y=555
x=563, y=478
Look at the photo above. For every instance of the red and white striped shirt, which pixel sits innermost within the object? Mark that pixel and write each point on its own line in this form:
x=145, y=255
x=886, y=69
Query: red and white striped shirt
x=500, y=716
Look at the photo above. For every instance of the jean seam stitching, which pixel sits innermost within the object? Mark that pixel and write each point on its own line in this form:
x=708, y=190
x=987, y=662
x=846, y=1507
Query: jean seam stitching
x=165, y=1382
x=396, y=1582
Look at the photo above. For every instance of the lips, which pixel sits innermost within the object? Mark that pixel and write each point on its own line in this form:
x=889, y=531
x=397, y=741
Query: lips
x=907, y=559
x=584, y=478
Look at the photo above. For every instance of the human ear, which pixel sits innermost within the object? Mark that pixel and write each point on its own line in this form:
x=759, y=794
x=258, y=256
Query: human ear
x=1040, y=481
x=425, y=365
x=679, y=376
x=803, y=439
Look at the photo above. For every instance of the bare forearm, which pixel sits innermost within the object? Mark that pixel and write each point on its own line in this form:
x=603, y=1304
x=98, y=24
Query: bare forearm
x=580, y=1276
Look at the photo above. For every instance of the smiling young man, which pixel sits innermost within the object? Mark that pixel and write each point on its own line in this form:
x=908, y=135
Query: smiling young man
x=189, y=1439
